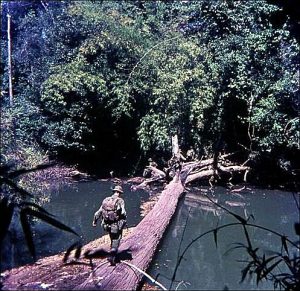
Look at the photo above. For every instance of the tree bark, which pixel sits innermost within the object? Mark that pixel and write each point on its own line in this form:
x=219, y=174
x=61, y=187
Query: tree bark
x=208, y=173
x=157, y=175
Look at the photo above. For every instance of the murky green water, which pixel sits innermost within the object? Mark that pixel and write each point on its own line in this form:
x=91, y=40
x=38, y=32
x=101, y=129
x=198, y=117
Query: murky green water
x=205, y=266
x=75, y=206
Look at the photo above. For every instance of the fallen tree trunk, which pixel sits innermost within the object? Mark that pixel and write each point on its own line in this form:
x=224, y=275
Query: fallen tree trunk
x=208, y=173
x=206, y=162
x=142, y=243
x=157, y=175
x=147, y=234
x=199, y=175
x=198, y=166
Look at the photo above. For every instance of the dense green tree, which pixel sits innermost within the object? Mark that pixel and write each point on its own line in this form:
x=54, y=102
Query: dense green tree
x=219, y=74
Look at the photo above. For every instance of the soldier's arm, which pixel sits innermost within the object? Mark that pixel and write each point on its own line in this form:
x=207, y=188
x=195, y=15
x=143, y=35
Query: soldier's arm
x=121, y=206
x=182, y=157
x=97, y=215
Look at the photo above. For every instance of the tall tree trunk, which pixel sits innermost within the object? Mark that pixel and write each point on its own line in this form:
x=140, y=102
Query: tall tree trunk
x=10, y=88
x=10, y=82
x=175, y=145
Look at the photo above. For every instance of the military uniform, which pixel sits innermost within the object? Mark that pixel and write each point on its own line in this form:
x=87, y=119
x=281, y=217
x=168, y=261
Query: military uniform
x=115, y=227
x=147, y=171
x=190, y=155
x=175, y=164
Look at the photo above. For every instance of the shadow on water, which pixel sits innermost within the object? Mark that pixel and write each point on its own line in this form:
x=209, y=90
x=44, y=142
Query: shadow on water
x=75, y=206
x=207, y=267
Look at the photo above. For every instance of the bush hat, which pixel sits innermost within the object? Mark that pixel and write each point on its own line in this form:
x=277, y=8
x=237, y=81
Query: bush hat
x=118, y=188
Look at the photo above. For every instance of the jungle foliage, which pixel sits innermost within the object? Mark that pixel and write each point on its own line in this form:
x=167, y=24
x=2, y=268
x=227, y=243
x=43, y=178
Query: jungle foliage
x=106, y=80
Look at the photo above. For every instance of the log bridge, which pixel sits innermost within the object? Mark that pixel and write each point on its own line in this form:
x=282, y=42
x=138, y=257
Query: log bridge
x=142, y=243
x=148, y=233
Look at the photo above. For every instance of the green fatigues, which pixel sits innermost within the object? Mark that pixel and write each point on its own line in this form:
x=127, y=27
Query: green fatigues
x=190, y=155
x=175, y=165
x=114, y=229
x=147, y=171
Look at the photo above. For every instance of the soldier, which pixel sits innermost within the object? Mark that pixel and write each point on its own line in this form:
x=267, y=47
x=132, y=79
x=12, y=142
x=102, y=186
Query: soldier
x=113, y=219
x=152, y=163
x=175, y=164
x=190, y=155
x=147, y=171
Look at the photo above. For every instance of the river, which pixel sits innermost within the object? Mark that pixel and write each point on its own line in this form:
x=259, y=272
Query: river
x=74, y=205
x=205, y=266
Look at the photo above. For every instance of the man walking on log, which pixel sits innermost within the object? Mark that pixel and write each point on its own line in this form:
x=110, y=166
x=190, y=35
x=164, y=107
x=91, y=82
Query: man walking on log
x=113, y=219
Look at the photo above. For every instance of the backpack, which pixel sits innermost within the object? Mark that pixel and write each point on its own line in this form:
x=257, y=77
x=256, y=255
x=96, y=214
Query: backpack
x=109, y=210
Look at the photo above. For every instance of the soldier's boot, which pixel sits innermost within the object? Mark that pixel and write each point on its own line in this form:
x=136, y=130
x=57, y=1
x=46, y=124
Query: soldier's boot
x=114, y=249
x=112, y=256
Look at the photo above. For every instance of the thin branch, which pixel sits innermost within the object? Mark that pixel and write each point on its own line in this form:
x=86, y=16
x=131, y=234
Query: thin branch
x=145, y=274
x=185, y=226
x=44, y=5
x=249, y=124
x=249, y=224
x=179, y=285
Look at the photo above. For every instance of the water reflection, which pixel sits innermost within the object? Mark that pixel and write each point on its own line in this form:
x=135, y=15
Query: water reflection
x=74, y=205
x=204, y=266
x=207, y=267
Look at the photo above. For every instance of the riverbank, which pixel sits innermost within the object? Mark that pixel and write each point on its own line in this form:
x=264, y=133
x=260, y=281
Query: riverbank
x=189, y=207
x=50, y=273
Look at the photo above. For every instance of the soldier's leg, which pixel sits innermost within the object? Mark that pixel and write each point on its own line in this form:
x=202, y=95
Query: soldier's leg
x=115, y=237
x=115, y=242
